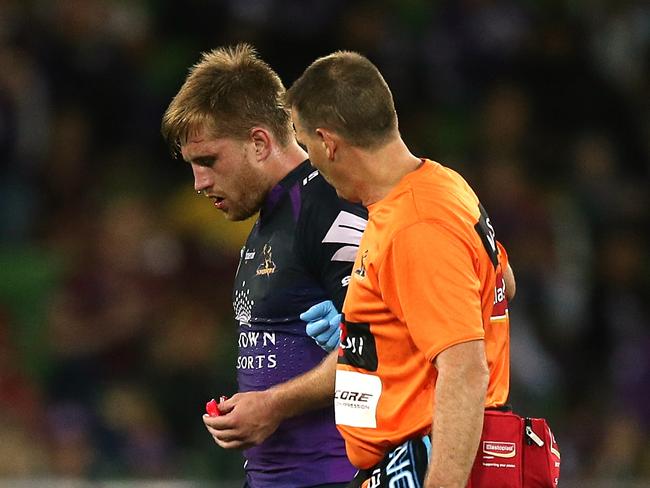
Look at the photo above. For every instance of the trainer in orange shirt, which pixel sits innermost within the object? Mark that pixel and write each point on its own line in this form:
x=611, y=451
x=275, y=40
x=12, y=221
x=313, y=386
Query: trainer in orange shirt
x=424, y=343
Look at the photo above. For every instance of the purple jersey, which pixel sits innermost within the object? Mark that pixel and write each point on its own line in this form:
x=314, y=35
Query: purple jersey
x=299, y=253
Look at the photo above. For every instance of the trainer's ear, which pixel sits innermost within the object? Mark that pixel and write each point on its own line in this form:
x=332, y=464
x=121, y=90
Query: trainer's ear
x=261, y=139
x=330, y=143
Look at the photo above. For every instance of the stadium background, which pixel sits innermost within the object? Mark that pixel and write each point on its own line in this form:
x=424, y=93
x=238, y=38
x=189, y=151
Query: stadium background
x=115, y=320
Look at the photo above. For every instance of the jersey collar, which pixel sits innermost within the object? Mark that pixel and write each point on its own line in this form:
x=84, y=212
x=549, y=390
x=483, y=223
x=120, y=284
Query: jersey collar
x=284, y=186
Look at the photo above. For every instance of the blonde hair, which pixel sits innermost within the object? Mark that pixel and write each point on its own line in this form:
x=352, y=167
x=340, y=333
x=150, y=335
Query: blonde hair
x=229, y=91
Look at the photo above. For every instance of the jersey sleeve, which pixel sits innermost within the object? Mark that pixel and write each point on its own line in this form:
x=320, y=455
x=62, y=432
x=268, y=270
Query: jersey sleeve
x=329, y=232
x=431, y=284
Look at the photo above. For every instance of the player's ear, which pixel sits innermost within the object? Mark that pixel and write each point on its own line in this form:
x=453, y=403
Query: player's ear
x=329, y=142
x=261, y=139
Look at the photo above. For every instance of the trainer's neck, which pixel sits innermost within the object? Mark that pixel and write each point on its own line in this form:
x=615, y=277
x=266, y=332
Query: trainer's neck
x=383, y=169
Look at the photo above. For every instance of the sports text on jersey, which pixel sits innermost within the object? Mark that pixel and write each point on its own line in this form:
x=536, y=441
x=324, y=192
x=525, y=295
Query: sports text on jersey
x=500, y=308
x=358, y=347
x=353, y=396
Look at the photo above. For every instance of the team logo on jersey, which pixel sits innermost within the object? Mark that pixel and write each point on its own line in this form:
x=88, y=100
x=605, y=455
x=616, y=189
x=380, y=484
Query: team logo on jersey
x=243, y=305
x=360, y=272
x=268, y=266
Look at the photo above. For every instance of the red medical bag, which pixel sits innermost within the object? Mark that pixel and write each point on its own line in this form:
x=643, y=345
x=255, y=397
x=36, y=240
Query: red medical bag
x=515, y=452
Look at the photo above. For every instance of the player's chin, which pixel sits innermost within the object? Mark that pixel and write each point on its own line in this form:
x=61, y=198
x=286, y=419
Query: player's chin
x=238, y=214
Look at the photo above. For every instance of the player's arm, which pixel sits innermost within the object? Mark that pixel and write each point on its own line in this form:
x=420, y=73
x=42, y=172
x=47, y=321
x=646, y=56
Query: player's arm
x=249, y=418
x=313, y=389
x=460, y=396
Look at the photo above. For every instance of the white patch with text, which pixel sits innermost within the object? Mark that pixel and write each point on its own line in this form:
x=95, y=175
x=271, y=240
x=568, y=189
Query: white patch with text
x=356, y=398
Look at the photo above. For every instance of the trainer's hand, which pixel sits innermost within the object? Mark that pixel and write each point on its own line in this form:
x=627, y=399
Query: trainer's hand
x=323, y=324
x=246, y=420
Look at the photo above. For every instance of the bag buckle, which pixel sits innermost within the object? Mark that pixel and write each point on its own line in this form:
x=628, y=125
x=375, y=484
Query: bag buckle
x=531, y=433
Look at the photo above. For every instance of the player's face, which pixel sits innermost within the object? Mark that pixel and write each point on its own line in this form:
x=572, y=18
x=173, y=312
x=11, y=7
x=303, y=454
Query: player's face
x=226, y=171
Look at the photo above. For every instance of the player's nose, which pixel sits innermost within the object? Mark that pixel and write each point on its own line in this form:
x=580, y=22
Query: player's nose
x=202, y=178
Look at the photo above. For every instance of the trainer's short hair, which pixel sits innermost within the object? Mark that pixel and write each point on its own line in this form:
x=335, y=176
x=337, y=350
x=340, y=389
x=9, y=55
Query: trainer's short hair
x=346, y=93
x=229, y=91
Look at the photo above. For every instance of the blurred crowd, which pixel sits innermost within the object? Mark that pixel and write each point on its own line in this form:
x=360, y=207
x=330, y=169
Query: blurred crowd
x=115, y=278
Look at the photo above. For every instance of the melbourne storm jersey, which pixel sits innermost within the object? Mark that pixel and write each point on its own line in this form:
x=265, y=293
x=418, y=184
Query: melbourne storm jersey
x=299, y=253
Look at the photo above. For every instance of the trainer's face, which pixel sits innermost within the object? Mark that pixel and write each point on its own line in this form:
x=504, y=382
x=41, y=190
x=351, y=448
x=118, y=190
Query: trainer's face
x=312, y=144
x=322, y=157
x=227, y=171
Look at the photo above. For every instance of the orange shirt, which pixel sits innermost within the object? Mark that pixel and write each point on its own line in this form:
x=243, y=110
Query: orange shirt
x=426, y=277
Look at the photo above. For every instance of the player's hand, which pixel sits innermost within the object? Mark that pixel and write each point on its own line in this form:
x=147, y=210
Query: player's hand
x=323, y=324
x=246, y=420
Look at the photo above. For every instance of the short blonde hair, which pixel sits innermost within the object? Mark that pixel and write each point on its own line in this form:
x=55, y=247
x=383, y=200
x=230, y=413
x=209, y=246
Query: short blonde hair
x=229, y=91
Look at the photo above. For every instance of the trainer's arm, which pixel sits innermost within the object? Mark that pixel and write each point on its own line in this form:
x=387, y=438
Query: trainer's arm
x=249, y=418
x=458, y=417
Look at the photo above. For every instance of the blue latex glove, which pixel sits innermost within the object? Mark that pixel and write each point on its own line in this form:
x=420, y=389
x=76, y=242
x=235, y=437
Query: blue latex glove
x=323, y=321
